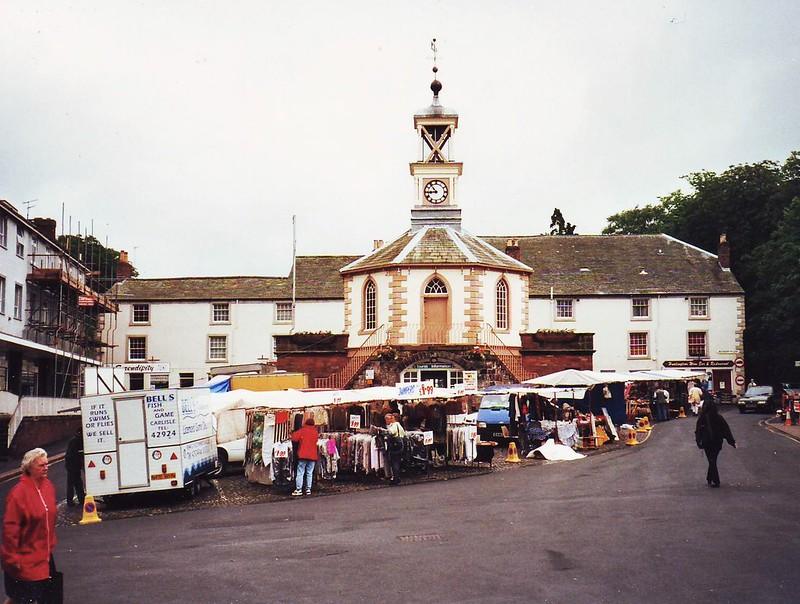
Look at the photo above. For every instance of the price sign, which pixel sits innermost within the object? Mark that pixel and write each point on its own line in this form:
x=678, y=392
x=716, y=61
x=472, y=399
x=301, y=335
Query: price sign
x=281, y=453
x=355, y=422
x=427, y=438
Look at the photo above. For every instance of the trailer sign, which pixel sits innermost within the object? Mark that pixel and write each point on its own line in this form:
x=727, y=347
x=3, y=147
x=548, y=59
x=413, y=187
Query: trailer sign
x=161, y=413
x=99, y=430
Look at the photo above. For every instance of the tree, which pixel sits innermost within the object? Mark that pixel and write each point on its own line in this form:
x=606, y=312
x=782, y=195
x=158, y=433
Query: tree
x=558, y=226
x=100, y=260
x=754, y=204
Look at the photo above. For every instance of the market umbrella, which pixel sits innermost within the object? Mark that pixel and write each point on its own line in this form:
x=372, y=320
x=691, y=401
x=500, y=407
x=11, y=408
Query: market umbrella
x=568, y=377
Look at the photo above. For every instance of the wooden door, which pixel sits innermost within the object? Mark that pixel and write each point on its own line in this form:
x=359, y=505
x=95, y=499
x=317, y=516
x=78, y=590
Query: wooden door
x=722, y=380
x=435, y=326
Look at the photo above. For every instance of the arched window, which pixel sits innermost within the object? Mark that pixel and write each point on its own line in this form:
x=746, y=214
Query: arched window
x=436, y=286
x=370, y=306
x=501, y=306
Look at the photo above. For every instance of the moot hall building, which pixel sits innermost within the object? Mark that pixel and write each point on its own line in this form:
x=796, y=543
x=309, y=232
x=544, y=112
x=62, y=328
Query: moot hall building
x=437, y=301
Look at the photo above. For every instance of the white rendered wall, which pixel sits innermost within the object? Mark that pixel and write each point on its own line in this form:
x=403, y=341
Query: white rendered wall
x=382, y=281
x=178, y=334
x=610, y=319
x=321, y=315
x=510, y=336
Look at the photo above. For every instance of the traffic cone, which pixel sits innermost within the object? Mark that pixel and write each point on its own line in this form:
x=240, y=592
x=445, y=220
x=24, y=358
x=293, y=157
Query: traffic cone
x=682, y=414
x=631, y=440
x=788, y=415
x=512, y=456
x=89, y=511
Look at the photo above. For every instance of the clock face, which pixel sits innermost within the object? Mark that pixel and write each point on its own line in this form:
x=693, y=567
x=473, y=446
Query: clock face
x=435, y=191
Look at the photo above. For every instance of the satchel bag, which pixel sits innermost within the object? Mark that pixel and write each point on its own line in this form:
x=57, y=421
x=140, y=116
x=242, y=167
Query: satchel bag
x=54, y=592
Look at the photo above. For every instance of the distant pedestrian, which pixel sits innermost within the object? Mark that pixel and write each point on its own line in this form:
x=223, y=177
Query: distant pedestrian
x=73, y=461
x=695, y=398
x=710, y=431
x=307, y=456
x=29, y=532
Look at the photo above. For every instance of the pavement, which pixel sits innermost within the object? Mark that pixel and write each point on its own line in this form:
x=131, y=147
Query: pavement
x=776, y=425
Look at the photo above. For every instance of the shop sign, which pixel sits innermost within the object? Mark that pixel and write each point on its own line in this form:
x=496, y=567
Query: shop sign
x=355, y=422
x=85, y=301
x=471, y=381
x=740, y=380
x=143, y=367
x=739, y=362
x=699, y=364
x=434, y=366
x=412, y=390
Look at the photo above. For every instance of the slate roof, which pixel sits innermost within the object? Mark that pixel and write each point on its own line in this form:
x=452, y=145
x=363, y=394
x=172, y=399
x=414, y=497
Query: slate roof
x=318, y=278
x=619, y=265
x=436, y=246
x=204, y=288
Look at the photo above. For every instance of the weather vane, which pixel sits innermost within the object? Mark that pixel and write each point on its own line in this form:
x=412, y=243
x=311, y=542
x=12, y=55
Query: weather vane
x=433, y=48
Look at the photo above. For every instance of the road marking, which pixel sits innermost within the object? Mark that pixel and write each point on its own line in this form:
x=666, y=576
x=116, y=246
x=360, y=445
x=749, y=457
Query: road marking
x=11, y=474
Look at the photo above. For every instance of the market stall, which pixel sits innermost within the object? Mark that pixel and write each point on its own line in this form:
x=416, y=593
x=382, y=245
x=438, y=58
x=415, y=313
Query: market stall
x=352, y=436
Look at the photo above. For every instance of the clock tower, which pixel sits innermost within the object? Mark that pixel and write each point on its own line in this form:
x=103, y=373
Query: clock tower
x=435, y=173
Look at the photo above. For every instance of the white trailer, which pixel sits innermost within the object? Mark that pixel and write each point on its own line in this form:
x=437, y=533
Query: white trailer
x=148, y=441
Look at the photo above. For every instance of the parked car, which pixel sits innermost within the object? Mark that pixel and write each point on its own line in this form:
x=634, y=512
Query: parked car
x=759, y=398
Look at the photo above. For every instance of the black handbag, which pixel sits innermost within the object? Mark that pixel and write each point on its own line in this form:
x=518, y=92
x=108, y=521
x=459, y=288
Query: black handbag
x=54, y=592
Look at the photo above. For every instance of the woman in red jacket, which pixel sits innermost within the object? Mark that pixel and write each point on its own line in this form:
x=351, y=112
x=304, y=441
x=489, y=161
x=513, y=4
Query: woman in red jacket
x=307, y=456
x=29, y=531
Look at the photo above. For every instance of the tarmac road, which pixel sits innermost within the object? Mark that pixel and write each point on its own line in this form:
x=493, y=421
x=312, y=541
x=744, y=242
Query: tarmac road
x=633, y=525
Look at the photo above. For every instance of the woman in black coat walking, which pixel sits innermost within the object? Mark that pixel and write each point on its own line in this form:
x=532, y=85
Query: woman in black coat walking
x=710, y=431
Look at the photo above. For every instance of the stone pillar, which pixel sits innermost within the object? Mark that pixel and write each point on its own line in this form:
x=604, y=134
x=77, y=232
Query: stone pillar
x=398, y=305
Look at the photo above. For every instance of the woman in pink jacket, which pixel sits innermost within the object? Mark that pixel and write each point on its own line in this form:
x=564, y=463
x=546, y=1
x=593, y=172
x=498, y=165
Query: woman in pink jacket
x=29, y=531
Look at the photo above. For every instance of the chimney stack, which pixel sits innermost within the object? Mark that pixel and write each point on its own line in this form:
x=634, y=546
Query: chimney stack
x=512, y=249
x=724, y=252
x=124, y=268
x=46, y=226
x=377, y=244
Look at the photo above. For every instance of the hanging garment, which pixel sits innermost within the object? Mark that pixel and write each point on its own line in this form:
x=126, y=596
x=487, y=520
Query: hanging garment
x=282, y=467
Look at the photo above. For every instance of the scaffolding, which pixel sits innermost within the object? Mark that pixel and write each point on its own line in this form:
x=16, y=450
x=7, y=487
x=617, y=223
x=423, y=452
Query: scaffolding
x=66, y=312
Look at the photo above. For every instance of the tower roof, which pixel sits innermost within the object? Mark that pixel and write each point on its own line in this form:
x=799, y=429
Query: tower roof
x=437, y=246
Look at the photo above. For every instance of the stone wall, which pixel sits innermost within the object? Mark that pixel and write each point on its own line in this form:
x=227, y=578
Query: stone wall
x=42, y=431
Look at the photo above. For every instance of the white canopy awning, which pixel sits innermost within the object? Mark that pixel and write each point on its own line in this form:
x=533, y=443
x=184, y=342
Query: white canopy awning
x=300, y=399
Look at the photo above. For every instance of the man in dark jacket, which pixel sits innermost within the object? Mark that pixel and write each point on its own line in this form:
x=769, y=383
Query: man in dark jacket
x=710, y=431
x=73, y=461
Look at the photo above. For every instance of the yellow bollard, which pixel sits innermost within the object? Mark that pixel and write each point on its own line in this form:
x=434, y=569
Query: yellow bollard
x=631, y=440
x=512, y=456
x=89, y=511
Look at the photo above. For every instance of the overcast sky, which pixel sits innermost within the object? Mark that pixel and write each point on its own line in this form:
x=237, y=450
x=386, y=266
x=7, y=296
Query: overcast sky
x=191, y=132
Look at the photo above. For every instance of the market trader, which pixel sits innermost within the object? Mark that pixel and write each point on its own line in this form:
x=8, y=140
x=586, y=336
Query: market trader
x=395, y=445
